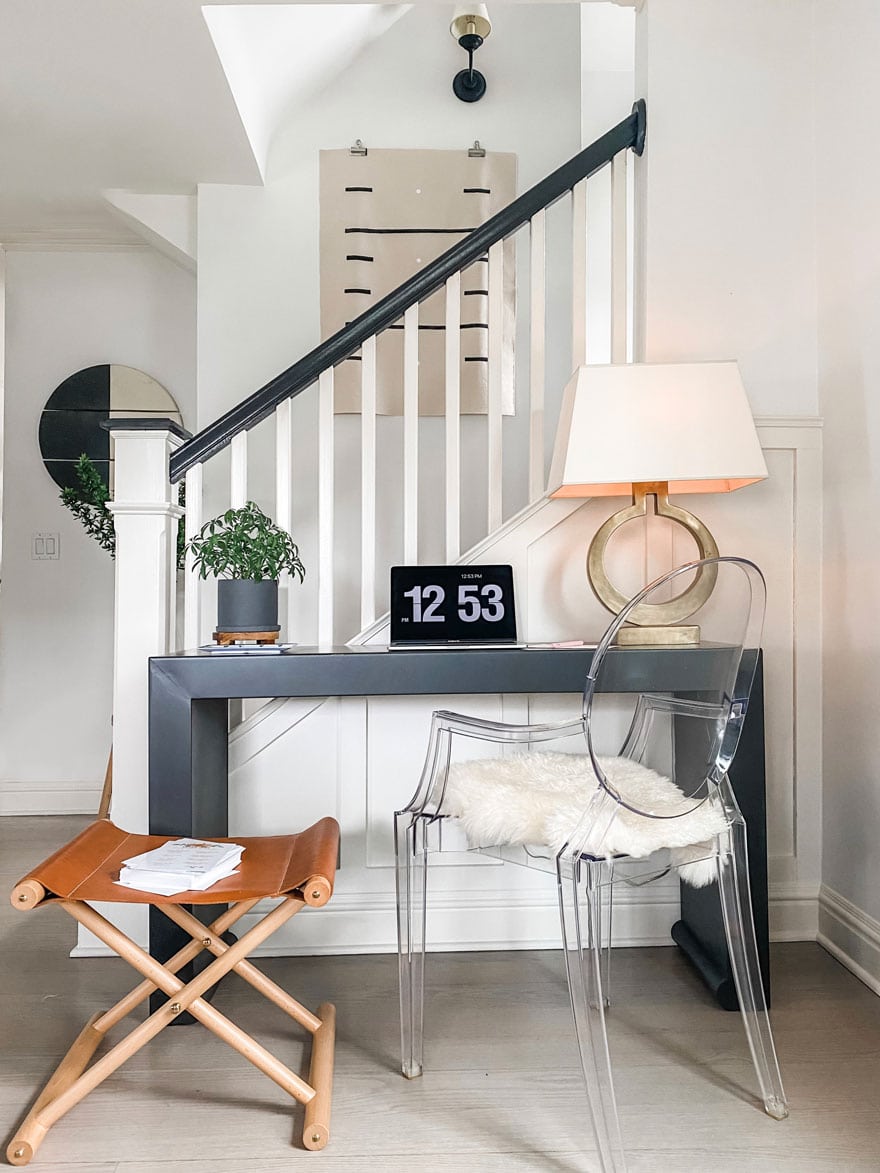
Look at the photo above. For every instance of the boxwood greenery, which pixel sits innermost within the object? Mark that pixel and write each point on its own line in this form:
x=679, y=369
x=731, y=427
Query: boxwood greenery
x=88, y=502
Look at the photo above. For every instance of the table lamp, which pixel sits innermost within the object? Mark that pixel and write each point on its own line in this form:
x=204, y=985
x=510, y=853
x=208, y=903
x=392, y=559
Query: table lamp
x=650, y=430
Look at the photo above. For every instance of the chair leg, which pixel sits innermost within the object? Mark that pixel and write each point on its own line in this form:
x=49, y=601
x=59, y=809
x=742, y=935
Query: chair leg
x=739, y=926
x=580, y=914
x=606, y=897
x=412, y=878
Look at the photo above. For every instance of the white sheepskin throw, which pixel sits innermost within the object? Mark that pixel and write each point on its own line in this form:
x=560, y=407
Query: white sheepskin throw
x=540, y=798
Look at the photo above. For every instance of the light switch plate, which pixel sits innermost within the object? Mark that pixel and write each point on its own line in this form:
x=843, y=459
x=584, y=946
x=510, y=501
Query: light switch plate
x=44, y=546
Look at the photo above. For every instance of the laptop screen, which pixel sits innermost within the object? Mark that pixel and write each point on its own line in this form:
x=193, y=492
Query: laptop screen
x=452, y=604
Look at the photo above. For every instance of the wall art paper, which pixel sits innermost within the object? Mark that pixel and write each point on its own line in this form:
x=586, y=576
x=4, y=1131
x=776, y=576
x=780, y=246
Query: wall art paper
x=384, y=216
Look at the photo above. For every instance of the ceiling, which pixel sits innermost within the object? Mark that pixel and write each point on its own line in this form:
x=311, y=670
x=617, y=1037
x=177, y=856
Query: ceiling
x=154, y=96
x=134, y=94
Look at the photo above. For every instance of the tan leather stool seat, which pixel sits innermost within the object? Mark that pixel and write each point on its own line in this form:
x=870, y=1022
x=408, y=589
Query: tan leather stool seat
x=87, y=867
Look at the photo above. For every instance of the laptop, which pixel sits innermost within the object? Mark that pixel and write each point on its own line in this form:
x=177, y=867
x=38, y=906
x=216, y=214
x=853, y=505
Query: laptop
x=452, y=607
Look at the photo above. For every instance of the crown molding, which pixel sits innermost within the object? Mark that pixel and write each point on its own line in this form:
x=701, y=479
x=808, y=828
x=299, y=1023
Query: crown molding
x=95, y=238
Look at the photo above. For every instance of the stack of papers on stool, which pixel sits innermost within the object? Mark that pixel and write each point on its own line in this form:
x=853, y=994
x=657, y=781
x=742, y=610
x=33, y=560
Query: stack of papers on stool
x=180, y=865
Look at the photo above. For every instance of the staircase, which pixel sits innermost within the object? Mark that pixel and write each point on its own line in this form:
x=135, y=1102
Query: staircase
x=472, y=475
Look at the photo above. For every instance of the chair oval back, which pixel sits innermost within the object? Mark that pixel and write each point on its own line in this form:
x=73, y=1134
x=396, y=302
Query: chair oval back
x=705, y=714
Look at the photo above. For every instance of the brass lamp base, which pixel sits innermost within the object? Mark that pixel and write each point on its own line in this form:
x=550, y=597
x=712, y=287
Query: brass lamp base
x=663, y=636
x=654, y=623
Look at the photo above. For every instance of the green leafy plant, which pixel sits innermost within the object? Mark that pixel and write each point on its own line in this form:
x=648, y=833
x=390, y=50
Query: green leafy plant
x=88, y=502
x=244, y=543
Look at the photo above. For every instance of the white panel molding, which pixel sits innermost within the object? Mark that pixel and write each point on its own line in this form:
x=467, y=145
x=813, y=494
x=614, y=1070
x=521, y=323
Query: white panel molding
x=49, y=798
x=271, y=721
x=850, y=935
x=802, y=437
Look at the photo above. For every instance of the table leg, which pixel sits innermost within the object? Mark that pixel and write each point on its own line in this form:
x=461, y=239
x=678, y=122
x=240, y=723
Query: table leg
x=188, y=795
x=700, y=932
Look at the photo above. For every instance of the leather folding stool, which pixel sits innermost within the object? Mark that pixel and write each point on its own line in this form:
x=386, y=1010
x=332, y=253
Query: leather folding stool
x=294, y=870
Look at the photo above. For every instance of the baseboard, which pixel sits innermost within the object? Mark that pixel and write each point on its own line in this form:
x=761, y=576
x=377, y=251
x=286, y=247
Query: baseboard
x=794, y=911
x=469, y=922
x=851, y=936
x=49, y=798
x=503, y=920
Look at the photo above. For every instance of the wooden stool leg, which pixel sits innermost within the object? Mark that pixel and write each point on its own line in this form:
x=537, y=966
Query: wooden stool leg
x=74, y=1078
x=107, y=792
x=316, y=1131
x=244, y=968
x=188, y=953
x=31, y=1132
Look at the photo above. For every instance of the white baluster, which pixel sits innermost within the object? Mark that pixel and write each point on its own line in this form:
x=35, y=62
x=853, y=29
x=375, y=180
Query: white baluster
x=238, y=470
x=368, y=482
x=192, y=593
x=494, y=457
x=411, y=435
x=453, y=417
x=283, y=489
x=283, y=465
x=579, y=275
x=537, y=340
x=619, y=258
x=326, y=465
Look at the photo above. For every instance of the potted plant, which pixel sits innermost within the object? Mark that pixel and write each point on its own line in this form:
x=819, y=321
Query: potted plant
x=246, y=552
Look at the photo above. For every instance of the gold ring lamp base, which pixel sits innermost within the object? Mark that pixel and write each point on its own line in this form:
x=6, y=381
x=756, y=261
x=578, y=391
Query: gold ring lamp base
x=654, y=623
x=646, y=428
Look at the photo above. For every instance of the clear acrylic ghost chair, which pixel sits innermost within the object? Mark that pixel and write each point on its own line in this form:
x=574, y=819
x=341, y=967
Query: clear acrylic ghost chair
x=689, y=740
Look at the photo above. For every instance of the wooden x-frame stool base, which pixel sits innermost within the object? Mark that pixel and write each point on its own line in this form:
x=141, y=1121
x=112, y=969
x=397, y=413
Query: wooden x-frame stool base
x=74, y=1078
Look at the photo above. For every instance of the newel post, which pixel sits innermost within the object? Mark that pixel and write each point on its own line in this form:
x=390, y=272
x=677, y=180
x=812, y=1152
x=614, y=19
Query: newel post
x=145, y=516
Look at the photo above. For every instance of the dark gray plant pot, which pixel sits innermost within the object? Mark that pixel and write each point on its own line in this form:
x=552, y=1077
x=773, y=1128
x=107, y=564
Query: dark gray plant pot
x=247, y=604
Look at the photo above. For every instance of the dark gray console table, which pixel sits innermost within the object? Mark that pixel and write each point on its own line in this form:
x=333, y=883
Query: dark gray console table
x=188, y=771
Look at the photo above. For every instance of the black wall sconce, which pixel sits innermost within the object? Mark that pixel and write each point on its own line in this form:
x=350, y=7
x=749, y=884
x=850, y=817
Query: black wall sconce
x=470, y=27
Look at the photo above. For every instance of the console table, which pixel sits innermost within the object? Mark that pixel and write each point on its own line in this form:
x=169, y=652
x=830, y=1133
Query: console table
x=188, y=769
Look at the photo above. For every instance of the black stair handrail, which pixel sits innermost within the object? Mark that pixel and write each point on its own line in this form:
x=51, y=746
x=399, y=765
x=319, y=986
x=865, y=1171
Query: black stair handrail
x=248, y=413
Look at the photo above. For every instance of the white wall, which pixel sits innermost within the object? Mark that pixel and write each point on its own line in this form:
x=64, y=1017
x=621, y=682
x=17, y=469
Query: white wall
x=848, y=236
x=728, y=270
x=763, y=244
x=66, y=311
x=258, y=248
x=607, y=63
x=730, y=179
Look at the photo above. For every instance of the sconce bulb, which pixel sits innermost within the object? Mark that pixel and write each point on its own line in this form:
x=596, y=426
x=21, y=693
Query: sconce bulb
x=470, y=20
x=470, y=26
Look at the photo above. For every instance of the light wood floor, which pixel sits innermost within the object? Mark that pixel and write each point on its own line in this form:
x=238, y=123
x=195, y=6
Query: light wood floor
x=502, y=1089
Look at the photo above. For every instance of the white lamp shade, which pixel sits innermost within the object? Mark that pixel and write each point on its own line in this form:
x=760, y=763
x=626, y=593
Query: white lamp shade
x=688, y=424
